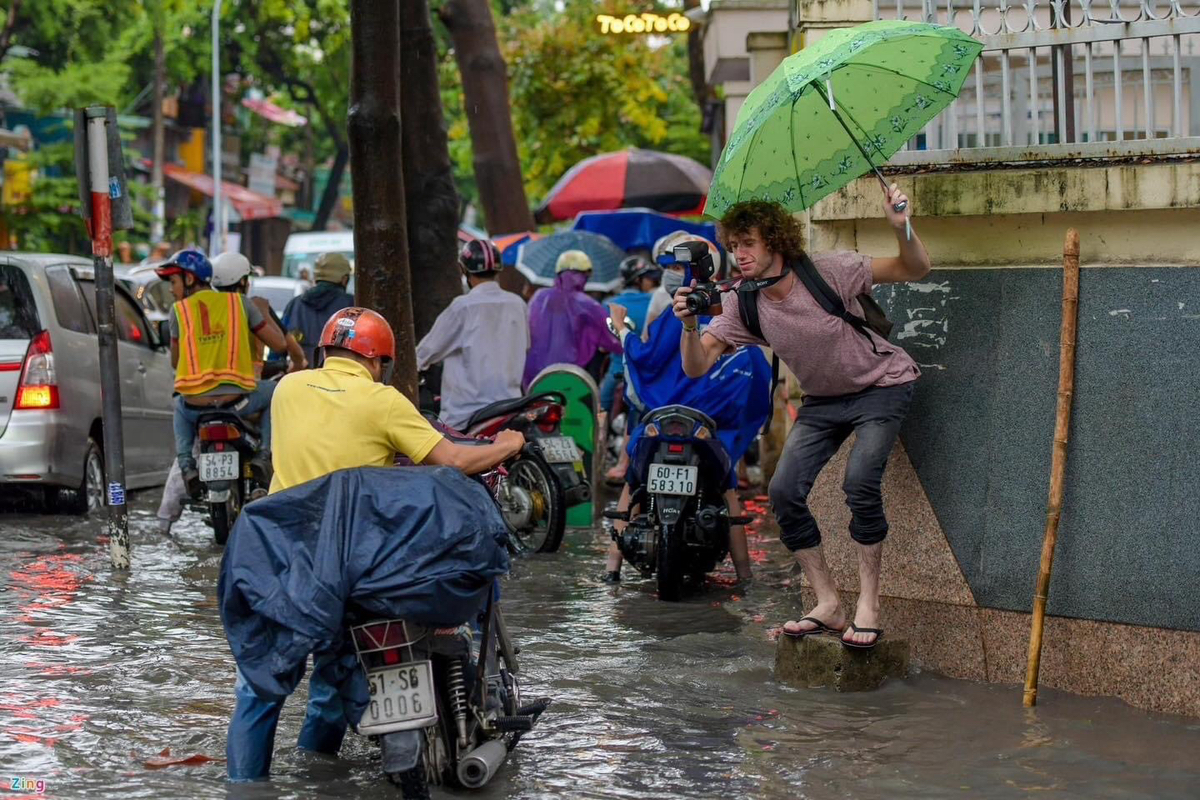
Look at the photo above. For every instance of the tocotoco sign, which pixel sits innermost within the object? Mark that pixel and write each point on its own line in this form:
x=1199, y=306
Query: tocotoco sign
x=643, y=23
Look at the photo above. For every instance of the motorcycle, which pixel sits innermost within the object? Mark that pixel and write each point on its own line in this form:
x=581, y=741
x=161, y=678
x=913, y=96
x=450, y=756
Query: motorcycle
x=681, y=528
x=545, y=480
x=440, y=716
x=231, y=474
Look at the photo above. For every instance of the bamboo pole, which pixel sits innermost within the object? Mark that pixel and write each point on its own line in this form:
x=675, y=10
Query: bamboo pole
x=1058, y=462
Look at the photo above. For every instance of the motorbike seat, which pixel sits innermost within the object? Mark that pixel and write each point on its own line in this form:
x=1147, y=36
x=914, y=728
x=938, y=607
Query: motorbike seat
x=501, y=407
x=697, y=415
x=229, y=416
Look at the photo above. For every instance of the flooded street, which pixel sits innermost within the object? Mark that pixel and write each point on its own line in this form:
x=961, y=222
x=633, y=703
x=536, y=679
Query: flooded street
x=101, y=672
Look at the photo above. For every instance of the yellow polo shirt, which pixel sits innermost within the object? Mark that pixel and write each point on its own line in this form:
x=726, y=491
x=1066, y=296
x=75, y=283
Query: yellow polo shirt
x=336, y=417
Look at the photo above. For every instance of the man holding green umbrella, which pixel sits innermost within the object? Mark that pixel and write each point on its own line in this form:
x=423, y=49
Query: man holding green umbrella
x=825, y=116
x=855, y=381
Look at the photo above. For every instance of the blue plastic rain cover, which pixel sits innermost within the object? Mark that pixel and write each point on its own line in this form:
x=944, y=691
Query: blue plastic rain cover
x=735, y=392
x=417, y=543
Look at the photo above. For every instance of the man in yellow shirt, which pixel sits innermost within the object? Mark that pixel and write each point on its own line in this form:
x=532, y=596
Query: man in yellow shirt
x=340, y=416
x=346, y=415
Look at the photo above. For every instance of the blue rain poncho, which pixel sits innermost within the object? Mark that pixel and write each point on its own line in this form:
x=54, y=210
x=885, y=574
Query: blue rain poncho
x=416, y=543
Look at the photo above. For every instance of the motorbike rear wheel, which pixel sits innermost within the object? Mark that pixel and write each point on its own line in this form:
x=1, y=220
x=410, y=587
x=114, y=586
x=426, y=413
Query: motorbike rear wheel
x=226, y=513
x=412, y=783
x=669, y=568
x=545, y=532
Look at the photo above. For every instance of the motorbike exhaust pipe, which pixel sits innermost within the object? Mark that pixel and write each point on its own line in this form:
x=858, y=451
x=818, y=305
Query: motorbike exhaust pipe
x=477, y=767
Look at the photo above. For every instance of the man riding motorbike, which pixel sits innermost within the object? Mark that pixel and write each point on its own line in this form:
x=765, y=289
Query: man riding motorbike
x=340, y=416
x=734, y=392
x=481, y=338
x=566, y=326
x=305, y=316
x=212, y=354
x=231, y=272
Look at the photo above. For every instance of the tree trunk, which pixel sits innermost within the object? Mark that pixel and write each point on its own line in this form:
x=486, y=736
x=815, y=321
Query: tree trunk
x=158, y=228
x=430, y=195
x=333, y=188
x=485, y=95
x=380, y=240
x=701, y=91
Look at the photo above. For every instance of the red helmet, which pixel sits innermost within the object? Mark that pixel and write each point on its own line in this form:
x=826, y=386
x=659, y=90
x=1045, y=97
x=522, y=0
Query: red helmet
x=361, y=330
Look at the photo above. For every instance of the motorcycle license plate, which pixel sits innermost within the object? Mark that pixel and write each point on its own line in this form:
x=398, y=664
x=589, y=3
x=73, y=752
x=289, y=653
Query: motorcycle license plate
x=219, y=466
x=559, y=449
x=401, y=699
x=672, y=479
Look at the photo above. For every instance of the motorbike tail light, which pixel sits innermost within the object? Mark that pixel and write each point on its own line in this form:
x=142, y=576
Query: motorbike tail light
x=674, y=448
x=38, y=387
x=219, y=432
x=675, y=428
x=550, y=418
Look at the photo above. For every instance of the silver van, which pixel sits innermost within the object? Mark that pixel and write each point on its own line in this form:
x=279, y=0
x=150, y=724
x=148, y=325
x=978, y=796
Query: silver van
x=50, y=421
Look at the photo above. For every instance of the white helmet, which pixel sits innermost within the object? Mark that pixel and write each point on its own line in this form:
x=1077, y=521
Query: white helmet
x=229, y=269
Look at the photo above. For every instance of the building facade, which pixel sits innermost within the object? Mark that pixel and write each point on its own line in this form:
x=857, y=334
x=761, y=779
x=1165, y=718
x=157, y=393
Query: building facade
x=995, y=184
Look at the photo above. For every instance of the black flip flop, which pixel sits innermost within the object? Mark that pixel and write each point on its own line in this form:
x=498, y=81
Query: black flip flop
x=855, y=629
x=821, y=628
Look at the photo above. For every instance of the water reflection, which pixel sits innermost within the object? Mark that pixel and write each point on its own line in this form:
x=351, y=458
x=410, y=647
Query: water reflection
x=103, y=672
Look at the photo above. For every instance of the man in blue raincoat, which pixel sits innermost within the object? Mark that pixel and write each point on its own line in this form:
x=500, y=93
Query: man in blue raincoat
x=735, y=392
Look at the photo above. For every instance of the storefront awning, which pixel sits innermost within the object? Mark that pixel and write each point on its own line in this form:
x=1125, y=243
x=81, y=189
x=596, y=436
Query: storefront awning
x=249, y=205
x=269, y=111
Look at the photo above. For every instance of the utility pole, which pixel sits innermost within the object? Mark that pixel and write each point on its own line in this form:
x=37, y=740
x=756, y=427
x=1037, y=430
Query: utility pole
x=382, y=280
x=158, y=228
x=104, y=202
x=217, y=243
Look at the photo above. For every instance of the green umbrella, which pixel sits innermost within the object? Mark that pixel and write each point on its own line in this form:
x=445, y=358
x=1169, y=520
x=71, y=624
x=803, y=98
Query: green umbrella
x=838, y=109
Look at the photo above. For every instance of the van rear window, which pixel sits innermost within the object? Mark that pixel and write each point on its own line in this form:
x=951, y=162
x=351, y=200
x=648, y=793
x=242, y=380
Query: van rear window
x=18, y=311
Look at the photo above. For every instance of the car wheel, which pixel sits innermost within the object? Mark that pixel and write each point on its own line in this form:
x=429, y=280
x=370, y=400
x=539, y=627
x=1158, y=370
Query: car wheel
x=89, y=496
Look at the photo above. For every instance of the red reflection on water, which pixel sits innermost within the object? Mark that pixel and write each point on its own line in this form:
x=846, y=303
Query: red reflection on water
x=43, y=585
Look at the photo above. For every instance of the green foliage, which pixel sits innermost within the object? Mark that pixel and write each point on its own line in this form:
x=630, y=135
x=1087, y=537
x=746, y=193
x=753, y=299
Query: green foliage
x=624, y=91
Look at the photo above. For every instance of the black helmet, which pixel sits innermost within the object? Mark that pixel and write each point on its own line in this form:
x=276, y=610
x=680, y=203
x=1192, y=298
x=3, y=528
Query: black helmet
x=480, y=256
x=631, y=266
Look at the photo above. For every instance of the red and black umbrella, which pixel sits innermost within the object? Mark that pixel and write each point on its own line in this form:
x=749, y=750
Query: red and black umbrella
x=632, y=178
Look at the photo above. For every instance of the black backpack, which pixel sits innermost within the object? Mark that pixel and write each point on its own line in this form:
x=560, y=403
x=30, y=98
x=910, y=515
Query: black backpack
x=873, y=319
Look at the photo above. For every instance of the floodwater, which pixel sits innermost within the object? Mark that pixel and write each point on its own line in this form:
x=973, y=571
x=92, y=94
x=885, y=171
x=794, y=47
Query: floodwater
x=103, y=671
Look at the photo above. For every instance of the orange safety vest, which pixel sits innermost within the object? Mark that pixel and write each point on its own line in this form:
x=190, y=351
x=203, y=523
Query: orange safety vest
x=214, y=343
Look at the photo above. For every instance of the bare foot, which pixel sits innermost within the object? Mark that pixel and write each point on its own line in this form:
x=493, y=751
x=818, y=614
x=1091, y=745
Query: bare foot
x=831, y=614
x=864, y=617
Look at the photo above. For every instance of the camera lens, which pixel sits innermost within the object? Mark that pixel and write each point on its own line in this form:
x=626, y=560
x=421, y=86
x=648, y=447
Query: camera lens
x=698, y=301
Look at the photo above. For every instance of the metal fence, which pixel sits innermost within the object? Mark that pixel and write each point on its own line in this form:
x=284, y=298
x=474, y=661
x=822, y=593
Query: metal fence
x=1066, y=79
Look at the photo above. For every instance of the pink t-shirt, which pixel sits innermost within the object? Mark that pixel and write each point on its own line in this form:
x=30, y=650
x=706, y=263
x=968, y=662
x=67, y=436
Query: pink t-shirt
x=827, y=355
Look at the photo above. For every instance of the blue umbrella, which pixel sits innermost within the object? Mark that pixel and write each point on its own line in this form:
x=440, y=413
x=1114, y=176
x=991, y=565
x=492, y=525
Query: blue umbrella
x=639, y=228
x=536, y=260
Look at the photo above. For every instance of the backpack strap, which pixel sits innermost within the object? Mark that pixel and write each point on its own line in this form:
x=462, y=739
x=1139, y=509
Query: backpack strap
x=828, y=299
x=747, y=295
x=748, y=310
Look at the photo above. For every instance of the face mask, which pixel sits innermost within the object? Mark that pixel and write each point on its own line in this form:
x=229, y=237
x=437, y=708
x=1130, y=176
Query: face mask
x=671, y=281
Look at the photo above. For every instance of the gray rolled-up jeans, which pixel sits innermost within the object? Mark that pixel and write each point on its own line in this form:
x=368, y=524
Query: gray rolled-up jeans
x=874, y=415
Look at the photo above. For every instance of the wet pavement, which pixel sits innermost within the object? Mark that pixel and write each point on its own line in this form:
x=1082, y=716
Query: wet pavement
x=102, y=671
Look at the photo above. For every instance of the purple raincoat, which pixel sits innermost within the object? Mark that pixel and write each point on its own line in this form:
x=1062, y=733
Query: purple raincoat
x=566, y=326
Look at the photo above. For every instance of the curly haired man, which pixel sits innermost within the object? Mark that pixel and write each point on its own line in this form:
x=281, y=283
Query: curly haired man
x=854, y=380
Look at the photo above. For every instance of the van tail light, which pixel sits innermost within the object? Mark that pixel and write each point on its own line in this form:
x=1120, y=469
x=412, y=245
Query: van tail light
x=38, y=387
x=219, y=432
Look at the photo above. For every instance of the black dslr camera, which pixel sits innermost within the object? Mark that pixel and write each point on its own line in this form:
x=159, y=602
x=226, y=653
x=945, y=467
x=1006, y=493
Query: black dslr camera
x=705, y=298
